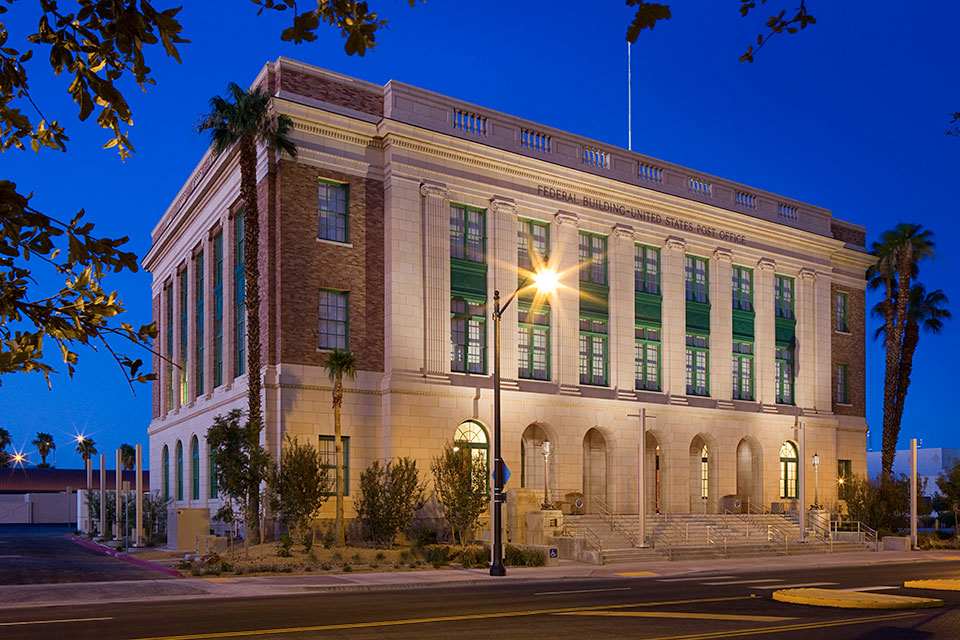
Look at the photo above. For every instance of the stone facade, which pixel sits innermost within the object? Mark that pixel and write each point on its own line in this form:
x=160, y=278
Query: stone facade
x=407, y=156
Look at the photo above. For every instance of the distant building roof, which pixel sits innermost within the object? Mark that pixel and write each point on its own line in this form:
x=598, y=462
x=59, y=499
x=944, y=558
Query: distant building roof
x=931, y=461
x=32, y=480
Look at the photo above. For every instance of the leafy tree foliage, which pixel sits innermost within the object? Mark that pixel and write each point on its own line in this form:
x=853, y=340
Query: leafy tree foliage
x=461, y=487
x=300, y=487
x=44, y=444
x=949, y=485
x=884, y=505
x=5, y=441
x=241, y=463
x=389, y=497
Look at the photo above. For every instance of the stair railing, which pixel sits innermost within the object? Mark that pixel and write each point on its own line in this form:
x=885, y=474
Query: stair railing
x=610, y=519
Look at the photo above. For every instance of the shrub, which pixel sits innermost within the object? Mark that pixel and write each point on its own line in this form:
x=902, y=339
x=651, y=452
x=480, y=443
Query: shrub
x=356, y=558
x=461, y=487
x=283, y=550
x=300, y=487
x=474, y=556
x=438, y=554
x=347, y=568
x=380, y=556
x=389, y=496
x=425, y=535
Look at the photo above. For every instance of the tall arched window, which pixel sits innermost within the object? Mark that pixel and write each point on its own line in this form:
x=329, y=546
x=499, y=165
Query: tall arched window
x=166, y=472
x=179, y=470
x=789, y=482
x=195, y=468
x=471, y=435
x=704, y=474
x=212, y=461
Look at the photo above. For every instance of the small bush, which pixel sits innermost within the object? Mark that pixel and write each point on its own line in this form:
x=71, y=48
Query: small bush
x=438, y=554
x=337, y=557
x=356, y=559
x=396, y=565
x=308, y=544
x=328, y=538
x=404, y=556
x=286, y=543
x=380, y=557
x=373, y=565
x=474, y=556
x=425, y=536
x=347, y=568
x=325, y=566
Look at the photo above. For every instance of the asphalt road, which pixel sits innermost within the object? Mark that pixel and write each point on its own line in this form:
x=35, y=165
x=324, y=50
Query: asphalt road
x=34, y=554
x=692, y=607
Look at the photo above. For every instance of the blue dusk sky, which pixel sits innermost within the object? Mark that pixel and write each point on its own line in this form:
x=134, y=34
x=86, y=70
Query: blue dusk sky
x=848, y=115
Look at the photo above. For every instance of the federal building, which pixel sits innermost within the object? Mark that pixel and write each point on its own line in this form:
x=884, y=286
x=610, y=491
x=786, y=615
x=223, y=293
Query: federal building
x=733, y=317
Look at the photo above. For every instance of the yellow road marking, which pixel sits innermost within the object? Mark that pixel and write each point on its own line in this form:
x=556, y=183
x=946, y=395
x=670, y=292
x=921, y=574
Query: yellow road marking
x=781, y=628
x=948, y=557
x=219, y=579
x=631, y=574
x=679, y=614
x=475, y=616
x=934, y=585
x=13, y=624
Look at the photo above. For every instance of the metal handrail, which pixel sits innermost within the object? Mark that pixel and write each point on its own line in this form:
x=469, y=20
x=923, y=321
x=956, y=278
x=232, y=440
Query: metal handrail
x=610, y=519
x=588, y=536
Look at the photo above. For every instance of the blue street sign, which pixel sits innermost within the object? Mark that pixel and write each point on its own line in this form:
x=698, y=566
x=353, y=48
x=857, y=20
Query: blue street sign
x=506, y=473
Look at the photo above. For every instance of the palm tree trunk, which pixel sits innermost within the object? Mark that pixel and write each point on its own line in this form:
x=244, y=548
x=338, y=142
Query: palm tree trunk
x=892, y=349
x=911, y=337
x=338, y=457
x=251, y=273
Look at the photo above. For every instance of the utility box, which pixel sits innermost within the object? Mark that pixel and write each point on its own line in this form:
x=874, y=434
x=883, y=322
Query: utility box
x=184, y=526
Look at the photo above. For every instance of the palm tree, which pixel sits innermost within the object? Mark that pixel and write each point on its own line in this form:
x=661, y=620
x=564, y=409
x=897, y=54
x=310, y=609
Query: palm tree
x=339, y=363
x=44, y=444
x=128, y=456
x=898, y=253
x=241, y=121
x=87, y=448
x=5, y=441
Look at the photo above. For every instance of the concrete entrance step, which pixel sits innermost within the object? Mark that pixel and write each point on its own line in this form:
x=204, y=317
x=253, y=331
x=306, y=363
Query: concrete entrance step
x=615, y=556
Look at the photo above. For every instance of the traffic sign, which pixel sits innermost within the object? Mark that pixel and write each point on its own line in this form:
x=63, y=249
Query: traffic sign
x=506, y=472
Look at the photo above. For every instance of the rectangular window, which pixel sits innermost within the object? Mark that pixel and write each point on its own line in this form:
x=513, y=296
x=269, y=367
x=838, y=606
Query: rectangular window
x=334, y=314
x=646, y=269
x=841, y=312
x=168, y=292
x=593, y=351
x=843, y=389
x=467, y=233
x=533, y=343
x=783, y=296
x=593, y=258
x=328, y=461
x=240, y=297
x=184, y=314
x=784, y=375
x=533, y=245
x=646, y=358
x=468, y=336
x=697, y=279
x=698, y=365
x=743, y=371
x=218, y=309
x=333, y=211
x=199, y=318
x=742, y=288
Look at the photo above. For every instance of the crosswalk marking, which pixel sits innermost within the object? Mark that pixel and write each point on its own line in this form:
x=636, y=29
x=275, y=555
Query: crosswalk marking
x=716, y=584
x=692, y=579
x=794, y=586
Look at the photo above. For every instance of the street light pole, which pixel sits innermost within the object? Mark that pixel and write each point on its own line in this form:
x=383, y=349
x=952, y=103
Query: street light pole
x=816, y=481
x=545, y=449
x=496, y=563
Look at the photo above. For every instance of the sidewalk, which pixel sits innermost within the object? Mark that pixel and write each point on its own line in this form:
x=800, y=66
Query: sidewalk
x=20, y=596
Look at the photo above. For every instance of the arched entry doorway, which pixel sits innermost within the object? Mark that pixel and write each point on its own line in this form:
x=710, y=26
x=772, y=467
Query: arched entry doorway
x=750, y=474
x=703, y=475
x=596, y=484
x=655, y=485
x=532, y=458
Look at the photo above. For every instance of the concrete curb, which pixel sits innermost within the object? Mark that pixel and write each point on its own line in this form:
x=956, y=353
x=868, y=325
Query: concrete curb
x=933, y=585
x=146, y=564
x=853, y=599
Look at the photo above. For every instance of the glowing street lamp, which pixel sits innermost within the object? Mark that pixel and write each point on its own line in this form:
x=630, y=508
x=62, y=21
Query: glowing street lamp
x=816, y=480
x=545, y=281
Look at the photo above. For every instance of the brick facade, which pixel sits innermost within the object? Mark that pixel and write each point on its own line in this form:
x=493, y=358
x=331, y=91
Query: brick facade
x=848, y=349
x=309, y=265
x=332, y=91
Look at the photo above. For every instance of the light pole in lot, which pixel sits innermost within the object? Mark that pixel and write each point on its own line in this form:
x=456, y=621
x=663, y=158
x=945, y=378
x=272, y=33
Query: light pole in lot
x=816, y=481
x=545, y=450
x=544, y=281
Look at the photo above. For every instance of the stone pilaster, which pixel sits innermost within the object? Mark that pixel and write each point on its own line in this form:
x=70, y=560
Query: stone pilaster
x=622, y=311
x=721, y=325
x=209, y=311
x=806, y=357
x=566, y=314
x=436, y=279
x=502, y=275
x=766, y=334
x=166, y=344
x=674, y=320
x=823, y=334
